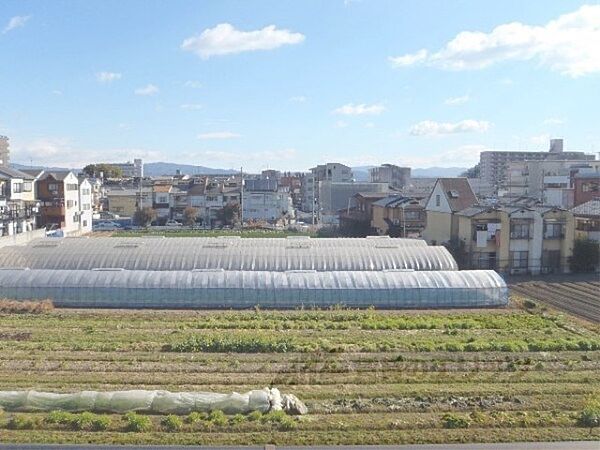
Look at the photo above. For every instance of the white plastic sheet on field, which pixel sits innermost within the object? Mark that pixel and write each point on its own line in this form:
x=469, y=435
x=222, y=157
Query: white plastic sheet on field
x=158, y=402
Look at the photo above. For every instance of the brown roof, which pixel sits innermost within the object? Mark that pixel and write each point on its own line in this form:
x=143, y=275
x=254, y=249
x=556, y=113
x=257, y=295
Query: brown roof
x=458, y=192
x=162, y=188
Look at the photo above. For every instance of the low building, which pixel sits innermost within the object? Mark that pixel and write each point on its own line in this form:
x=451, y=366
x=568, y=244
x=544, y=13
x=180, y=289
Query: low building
x=125, y=201
x=265, y=201
x=334, y=196
x=515, y=240
x=356, y=219
x=586, y=186
x=449, y=196
x=58, y=194
x=18, y=205
x=587, y=220
x=399, y=216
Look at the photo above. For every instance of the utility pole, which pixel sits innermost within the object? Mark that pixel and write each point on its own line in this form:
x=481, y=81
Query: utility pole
x=242, y=197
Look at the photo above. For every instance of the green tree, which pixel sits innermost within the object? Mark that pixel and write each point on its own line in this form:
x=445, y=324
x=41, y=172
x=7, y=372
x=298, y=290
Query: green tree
x=190, y=214
x=229, y=213
x=586, y=256
x=144, y=216
x=107, y=171
x=473, y=172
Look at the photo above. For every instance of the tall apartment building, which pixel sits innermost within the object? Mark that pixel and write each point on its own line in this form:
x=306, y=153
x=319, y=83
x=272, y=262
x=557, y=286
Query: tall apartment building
x=333, y=172
x=131, y=169
x=552, y=182
x=4, y=152
x=494, y=164
x=397, y=177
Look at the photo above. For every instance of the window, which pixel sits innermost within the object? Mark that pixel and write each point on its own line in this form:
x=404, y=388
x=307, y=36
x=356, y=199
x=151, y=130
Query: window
x=551, y=259
x=553, y=230
x=85, y=192
x=27, y=186
x=85, y=223
x=484, y=260
x=70, y=203
x=412, y=215
x=17, y=188
x=86, y=207
x=519, y=260
x=72, y=186
x=519, y=230
x=592, y=186
x=52, y=186
x=437, y=200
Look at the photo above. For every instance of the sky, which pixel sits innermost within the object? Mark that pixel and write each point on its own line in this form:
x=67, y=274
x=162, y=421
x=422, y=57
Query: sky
x=289, y=84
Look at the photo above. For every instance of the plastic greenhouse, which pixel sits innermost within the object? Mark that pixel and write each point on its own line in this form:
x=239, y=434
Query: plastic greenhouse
x=243, y=289
x=166, y=254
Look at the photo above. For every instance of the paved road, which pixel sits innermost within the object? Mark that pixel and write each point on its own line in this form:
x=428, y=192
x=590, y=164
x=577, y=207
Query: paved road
x=580, y=445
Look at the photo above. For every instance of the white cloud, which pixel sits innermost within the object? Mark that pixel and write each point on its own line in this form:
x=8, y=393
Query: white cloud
x=15, y=22
x=454, y=101
x=224, y=39
x=298, y=99
x=64, y=152
x=191, y=106
x=107, y=77
x=430, y=127
x=219, y=135
x=149, y=89
x=569, y=45
x=409, y=59
x=192, y=84
x=553, y=121
x=351, y=109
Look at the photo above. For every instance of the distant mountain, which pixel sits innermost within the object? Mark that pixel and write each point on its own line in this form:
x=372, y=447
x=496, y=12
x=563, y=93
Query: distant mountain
x=27, y=166
x=162, y=168
x=438, y=172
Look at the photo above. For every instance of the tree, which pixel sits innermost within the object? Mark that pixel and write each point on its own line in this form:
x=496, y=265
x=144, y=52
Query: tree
x=457, y=249
x=190, y=214
x=144, y=217
x=229, y=213
x=586, y=256
x=107, y=171
x=473, y=172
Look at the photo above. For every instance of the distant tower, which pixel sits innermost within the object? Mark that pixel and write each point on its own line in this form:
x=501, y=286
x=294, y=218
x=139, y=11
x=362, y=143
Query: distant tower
x=4, y=152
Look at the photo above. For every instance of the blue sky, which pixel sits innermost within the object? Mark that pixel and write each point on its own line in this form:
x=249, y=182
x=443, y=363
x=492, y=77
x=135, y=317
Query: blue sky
x=289, y=84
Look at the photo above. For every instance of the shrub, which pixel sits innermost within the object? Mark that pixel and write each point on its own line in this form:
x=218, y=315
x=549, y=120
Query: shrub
x=172, y=423
x=254, y=416
x=590, y=415
x=238, y=418
x=101, y=423
x=137, y=423
x=60, y=417
x=225, y=344
x=218, y=418
x=195, y=417
x=20, y=423
x=454, y=421
x=25, y=306
x=586, y=254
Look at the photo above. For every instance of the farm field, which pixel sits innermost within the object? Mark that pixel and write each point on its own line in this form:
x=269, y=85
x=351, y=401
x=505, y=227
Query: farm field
x=366, y=376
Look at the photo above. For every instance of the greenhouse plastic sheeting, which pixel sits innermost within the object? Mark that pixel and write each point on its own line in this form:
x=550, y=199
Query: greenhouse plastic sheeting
x=158, y=402
x=243, y=289
x=229, y=254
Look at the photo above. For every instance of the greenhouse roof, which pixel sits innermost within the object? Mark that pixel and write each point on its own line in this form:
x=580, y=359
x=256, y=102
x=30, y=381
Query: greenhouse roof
x=229, y=254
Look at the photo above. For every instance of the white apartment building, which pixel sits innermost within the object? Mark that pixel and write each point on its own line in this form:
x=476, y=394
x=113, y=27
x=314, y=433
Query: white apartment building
x=494, y=164
x=397, y=177
x=334, y=172
x=549, y=181
x=85, y=205
x=265, y=201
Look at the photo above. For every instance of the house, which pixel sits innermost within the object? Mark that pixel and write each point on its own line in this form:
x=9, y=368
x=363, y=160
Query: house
x=515, y=239
x=399, y=216
x=359, y=214
x=161, y=202
x=586, y=186
x=18, y=205
x=125, y=201
x=58, y=194
x=264, y=201
x=210, y=194
x=449, y=196
x=587, y=220
x=85, y=205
